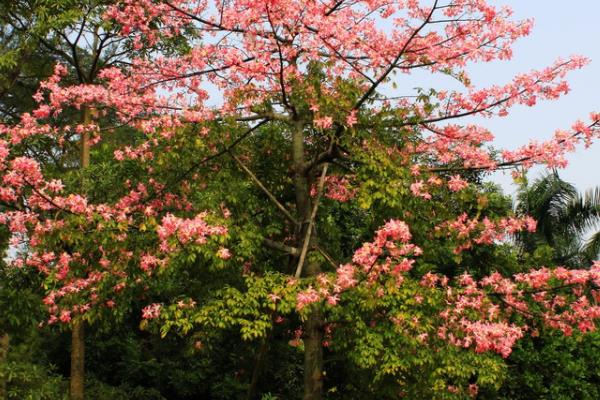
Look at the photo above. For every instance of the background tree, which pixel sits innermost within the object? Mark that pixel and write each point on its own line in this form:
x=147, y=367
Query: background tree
x=566, y=219
x=36, y=35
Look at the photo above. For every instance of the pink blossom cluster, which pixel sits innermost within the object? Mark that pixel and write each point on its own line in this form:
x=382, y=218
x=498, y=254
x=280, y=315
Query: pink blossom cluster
x=306, y=297
x=195, y=230
x=470, y=231
x=560, y=298
x=391, y=240
x=421, y=188
x=151, y=311
x=337, y=188
x=457, y=184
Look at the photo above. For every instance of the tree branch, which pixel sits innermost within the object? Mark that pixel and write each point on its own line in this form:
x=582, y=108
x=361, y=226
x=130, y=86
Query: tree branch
x=383, y=76
x=281, y=247
x=311, y=223
x=270, y=195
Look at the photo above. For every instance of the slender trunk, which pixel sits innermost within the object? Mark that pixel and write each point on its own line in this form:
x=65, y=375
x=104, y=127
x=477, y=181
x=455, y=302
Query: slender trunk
x=313, y=356
x=4, y=346
x=313, y=328
x=77, y=381
x=77, y=361
x=85, y=139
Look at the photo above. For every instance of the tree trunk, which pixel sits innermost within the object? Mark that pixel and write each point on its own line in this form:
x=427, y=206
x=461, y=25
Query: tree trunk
x=4, y=346
x=85, y=138
x=77, y=381
x=313, y=328
x=313, y=356
x=77, y=361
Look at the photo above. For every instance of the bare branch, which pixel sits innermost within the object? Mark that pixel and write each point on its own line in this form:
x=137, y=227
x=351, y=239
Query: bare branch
x=281, y=247
x=311, y=223
x=270, y=195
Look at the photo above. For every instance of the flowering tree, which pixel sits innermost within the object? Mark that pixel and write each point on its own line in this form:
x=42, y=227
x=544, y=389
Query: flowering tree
x=40, y=34
x=306, y=93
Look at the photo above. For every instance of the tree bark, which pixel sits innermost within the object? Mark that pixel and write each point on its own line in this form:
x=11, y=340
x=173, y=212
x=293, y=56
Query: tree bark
x=77, y=382
x=313, y=356
x=4, y=346
x=313, y=327
x=85, y=139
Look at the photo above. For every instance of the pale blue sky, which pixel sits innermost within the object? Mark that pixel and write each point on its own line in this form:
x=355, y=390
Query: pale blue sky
x=561, y=29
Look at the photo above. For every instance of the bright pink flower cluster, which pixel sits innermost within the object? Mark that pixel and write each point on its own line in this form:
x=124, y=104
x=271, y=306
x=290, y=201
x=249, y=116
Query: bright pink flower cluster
x=391, y=240
x=151, y=311
x=456, y=184
x=560, y=298
x=470, y=231
x=186, y=230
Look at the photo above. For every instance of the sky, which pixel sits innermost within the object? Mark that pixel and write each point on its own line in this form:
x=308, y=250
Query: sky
x=560, y=29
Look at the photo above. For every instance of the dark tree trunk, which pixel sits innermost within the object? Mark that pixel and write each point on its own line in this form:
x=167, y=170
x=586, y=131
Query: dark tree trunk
x=4, y=346
x=313, y=328
x=77, y=381
x=313, y=356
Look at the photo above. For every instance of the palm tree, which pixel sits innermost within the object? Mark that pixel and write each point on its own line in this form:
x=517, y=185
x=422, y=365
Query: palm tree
x=565, y=220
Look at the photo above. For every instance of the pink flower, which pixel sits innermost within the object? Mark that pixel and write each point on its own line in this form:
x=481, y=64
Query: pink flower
x=274, y=297
x=224, y=253
x=323, y=123
x=148, y=262
x=42, y=111
x=345, y=277
x=351, y=119
x=307, y=297
x=337, y=188
x=65, y=316
x=456, y=184
x=418, y=189
x=395, y=230
x=151, y=311
x=473, y=390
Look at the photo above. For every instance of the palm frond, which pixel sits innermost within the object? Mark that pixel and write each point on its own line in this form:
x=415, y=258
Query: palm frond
x=591, y=248
x=583, y=212
x=564, y=217
x=545, y=200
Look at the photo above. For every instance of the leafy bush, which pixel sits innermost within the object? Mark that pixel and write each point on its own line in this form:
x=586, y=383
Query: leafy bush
x=27, y=381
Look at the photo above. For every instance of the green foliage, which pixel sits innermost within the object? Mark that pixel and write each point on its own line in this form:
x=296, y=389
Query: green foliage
x=552, y=366
x=565, y=217
x=28, y=381
x=391, y=342
x=20, y=300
